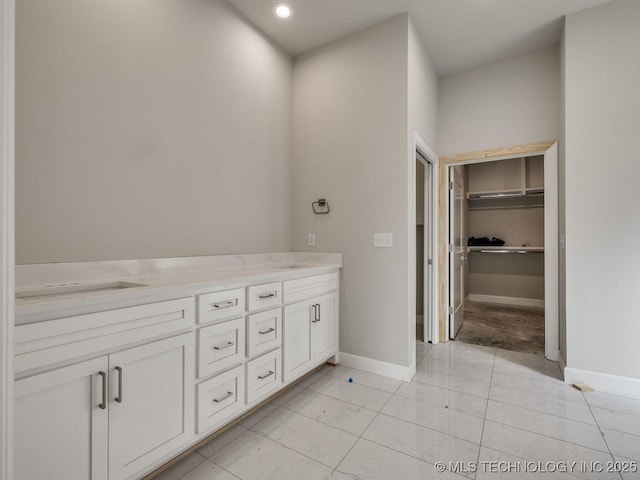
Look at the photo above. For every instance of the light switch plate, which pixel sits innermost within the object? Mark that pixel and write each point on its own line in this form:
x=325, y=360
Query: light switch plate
x=311, y=240
x=383, y=240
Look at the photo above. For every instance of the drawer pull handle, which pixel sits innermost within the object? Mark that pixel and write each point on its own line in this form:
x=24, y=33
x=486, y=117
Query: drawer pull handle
x=223, y=346
x=264, y=296
x=266, y=375
x=268, y=330
x=227, y=304
x=103, y=404
x=119, y=397
x=223, y=398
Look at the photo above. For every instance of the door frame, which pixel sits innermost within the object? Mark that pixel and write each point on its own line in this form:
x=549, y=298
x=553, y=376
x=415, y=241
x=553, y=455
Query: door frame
x=7, y=229
x=420, y=147
x=551, y=234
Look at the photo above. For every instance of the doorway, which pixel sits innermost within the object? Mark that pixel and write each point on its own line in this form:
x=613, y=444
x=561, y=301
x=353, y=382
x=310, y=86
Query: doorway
x=505, y=279
x=424, y=248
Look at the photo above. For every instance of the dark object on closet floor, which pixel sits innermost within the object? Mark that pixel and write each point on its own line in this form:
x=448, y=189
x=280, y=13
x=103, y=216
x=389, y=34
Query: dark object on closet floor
x=497, y=242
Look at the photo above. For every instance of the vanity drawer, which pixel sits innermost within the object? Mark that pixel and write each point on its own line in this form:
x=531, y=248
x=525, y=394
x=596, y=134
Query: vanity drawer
x=264, y=331
x=263, y=375
x=220, y=397
x=264, y=296
x=308, y=287
x=220, y=346
x=220, y=305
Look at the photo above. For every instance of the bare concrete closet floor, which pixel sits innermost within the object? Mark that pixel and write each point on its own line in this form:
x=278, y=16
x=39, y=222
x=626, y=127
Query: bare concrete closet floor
x=520, y=329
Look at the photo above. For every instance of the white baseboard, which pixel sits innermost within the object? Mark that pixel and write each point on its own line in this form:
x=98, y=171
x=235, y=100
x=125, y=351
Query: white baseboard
x=521, y=302
x=371, y=365
x=603, y=382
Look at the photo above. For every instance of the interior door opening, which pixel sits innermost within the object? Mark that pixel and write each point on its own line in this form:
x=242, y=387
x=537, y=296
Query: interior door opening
x=501, y=280
x=424, y=248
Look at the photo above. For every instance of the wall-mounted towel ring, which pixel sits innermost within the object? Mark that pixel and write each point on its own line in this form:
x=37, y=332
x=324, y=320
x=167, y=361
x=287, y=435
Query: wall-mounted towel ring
x=320, y=207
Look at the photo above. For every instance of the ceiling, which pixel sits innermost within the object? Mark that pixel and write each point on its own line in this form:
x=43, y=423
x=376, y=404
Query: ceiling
x=457, y=34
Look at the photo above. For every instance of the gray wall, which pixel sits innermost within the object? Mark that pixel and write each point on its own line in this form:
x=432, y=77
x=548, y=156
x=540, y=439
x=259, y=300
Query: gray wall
x=149, y=129
x=351, y=135
x=514, y=102
x=602, y=74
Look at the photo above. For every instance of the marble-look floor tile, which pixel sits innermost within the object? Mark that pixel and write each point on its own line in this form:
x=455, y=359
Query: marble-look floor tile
x=623, y=444
x=366, y=397
x=629, y=469
x=420, y=442
x=495, y=465
x=540, y=403
x=313, y=377
x=552, y=426
x=287, y=395
x=379, y=382
x=536, y=447
x=463, y=353
x=181, y=468
x=459, y=384
x=451, y=422
x=345, y=416
x=434, y=366
x=370, y=461
x=258, y=415
x=208, y=471
x=221, y=440
x=547, y=386
x=617, y=403
x=621, y=422
x=255, y=457
x=527, y=366
x=316, y=440
x=442, y=397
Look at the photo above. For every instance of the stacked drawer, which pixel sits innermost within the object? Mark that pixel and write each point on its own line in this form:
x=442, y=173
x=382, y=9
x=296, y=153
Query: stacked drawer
x=239, y=354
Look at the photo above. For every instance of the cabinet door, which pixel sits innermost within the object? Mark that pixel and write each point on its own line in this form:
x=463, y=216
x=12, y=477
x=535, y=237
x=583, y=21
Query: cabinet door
x=297, y=339
x=324, y=328
x=151, y=404
x=60, y=428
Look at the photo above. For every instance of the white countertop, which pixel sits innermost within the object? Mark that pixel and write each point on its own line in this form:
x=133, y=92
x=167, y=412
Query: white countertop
x=162, y=279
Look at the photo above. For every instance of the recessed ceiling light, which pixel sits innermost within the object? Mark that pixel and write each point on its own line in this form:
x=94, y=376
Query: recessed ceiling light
x=282, y=11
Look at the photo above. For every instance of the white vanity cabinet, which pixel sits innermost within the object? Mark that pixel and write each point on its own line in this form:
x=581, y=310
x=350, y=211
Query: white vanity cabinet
x=114, y=394
x=117, y=413
x=61, y=423
x=310, y=327
x=151, y=404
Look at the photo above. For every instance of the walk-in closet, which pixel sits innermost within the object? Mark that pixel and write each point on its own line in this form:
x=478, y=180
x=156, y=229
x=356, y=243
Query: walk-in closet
x=500, y=270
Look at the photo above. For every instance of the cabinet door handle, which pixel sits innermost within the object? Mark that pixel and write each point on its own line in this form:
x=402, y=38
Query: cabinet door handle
x=227, y=304
x=223, y=346
x=223, y=398
x=267, y=295
x=119, y=397
x=266, y=375
x=315, y=313
x=268, y=330
x=103, y=404
x=319, y=316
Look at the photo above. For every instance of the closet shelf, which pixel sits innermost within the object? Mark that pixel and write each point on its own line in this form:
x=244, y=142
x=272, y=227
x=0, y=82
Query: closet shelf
x=506, y=250
x=502, y=194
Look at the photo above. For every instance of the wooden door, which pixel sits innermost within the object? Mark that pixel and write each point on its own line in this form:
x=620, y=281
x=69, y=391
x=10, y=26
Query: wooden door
x=151, y=404
x=61, y=423
x=457, y=251
x=324, y=328
x=296, y=329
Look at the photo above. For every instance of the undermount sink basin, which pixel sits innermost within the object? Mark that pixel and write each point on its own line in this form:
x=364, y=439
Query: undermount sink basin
x=73, y=288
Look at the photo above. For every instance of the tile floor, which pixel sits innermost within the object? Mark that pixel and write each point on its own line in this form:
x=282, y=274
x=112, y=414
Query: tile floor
x=479, y=405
